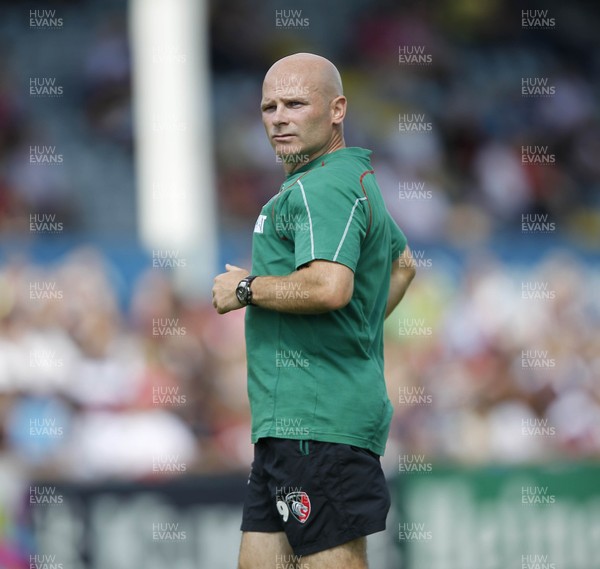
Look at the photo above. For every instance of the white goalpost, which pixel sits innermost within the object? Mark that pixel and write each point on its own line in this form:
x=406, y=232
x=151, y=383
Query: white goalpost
x=175, y=181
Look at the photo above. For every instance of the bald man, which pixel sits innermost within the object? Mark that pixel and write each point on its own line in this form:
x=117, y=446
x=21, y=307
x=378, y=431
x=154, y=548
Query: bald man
x=328, y=265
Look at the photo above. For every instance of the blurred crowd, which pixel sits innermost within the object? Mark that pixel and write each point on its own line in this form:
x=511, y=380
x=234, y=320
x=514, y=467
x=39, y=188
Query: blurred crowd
x=65, y=96
x=497, y=364
x=462, y=126
x=91, y=390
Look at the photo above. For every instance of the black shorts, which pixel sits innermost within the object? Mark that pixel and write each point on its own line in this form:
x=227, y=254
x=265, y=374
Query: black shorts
x=320, y=494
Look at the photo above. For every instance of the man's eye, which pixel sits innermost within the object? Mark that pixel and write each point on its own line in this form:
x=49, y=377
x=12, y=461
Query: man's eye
x=295, y=104
x=267, y=109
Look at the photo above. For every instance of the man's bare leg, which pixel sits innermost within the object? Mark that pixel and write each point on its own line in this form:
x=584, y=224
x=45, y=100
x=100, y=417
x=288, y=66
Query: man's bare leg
x=261, y=550
x=266, y=550
x=350, y=555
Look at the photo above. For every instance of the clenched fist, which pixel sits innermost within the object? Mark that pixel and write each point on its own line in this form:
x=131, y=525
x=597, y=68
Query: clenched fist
x=223, y=292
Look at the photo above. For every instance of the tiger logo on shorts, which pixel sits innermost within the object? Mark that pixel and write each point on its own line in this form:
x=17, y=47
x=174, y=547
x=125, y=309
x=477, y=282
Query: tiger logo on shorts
x=299, y=504
x=296, y=502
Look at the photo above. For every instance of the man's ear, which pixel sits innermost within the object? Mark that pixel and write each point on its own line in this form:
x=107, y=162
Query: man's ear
x=338, y=109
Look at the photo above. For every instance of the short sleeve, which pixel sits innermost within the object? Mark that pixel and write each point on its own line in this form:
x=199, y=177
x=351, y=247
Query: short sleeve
x=330, y=224
x=398, y=238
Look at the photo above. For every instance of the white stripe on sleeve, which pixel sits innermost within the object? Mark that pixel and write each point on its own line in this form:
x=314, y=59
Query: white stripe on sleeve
x=347, y=227
x=312, y=239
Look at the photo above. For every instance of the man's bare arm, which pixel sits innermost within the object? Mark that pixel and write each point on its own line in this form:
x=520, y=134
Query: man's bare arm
x=320, y=286
x=403, y=272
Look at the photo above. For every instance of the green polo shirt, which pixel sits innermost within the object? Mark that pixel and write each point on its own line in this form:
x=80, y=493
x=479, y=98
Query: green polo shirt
x=320, y=377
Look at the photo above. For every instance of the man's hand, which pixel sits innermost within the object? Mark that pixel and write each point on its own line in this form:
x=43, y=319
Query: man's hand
x=223, y=292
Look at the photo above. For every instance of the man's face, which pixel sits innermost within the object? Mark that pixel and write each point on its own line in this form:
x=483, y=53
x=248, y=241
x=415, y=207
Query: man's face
x=296, y=114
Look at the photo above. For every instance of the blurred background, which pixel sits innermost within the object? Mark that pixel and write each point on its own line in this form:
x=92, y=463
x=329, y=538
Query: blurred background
x=124, y=421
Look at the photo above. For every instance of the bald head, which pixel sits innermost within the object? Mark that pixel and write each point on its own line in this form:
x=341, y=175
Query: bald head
x=303, y=108
x=308, y=70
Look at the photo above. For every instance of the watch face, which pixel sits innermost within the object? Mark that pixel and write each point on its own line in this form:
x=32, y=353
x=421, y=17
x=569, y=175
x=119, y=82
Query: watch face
x=240, y=292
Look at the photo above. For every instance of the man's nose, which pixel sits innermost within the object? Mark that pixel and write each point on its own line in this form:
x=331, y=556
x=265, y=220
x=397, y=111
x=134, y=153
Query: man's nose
x=280, y=115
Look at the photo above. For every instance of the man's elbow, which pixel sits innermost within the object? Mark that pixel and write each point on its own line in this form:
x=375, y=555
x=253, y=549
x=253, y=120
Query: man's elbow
x=336, y=296
x=404, y=277
x=405, y=269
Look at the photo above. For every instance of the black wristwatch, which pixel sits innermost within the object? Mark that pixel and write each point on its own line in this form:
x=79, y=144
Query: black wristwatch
x=244, y=292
